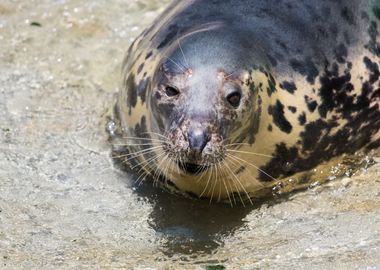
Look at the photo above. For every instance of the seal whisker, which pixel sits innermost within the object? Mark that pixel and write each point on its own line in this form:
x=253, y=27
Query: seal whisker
x=220, y=184
x=141, y=144
x=155, y=133
x=165, y=172
x=158, y=169
x=138, y=153
x=142, y=177
x=182, y=68
x=225, y=186
x=229, y=75
x=183, y=54
x=208, y=182
x=147, y=160
x=237, y=144
x=234, y=182
x=250, y=153
x=215, y=169
x=200, y=169
x=146, y=171
x=240, y=183
x=142, y=138
x=257, y=168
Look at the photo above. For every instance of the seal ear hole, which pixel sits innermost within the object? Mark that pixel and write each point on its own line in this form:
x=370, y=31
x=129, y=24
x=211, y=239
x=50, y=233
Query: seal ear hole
x=171, y=91
x=234, y=99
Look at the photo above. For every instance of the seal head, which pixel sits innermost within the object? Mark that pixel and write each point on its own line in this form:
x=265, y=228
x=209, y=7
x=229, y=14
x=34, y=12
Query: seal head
x=202, y=96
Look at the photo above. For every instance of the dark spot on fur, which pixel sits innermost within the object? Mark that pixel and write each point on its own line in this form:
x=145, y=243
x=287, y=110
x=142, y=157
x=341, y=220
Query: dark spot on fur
x=148, y=55
x=141, y=128
x=131, y=92
x=279, y=164
x=305, y=68
x=140, y=68
x=302, y=119
x=373, y=46
x=270, y=128
x=279, y=119
x=141, y=89
x=292, y=109
x=373, y=68
x=271, y=84
x=288, y=86
x=240, y=170
x=255, y=124
x=311, y=104
x=332, y=89
x=348, y=15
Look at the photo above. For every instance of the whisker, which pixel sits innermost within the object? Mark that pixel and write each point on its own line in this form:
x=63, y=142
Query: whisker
x=237, y=179
x=214, y=168
x=202, y=174
x=155, y=133
x=226, y=77
x=183, y=54
x=157, y=171
x=230, y=185
x=147, y=160
x=174, y=62
x=220, y=186
x=141, y=144
x=147, y=164
x=249, y=153
x=151, y=149
x=237, y=144
x=137, y=156
x=142, y=139
x=225, y=186
x=234, y=157
x=208, y=182
x=241, y=185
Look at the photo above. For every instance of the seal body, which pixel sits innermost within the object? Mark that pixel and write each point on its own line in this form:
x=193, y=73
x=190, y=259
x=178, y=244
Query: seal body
x=227, y=97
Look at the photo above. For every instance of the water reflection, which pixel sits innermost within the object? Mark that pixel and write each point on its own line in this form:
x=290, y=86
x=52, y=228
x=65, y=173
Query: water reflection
x=187, y=226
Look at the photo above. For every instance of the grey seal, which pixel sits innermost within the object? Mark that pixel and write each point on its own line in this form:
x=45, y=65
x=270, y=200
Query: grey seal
x=227, y=97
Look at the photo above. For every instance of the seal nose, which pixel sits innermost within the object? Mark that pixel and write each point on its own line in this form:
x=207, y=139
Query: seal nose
x=198, y=138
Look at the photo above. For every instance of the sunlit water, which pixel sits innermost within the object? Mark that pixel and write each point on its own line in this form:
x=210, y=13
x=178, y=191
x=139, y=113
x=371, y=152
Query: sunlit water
x=63, y=203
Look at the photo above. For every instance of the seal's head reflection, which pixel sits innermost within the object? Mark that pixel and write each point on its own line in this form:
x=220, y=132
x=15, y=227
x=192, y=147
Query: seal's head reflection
x=190, y=226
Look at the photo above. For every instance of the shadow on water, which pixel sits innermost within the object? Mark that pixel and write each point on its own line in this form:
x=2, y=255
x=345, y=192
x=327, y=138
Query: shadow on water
x=191, y=226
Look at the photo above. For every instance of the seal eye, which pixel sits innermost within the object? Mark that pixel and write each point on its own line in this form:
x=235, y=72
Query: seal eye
x=171, y=91
x=234, y=99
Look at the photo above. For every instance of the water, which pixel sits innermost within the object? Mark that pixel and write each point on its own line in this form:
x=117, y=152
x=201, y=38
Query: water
x=63, y=203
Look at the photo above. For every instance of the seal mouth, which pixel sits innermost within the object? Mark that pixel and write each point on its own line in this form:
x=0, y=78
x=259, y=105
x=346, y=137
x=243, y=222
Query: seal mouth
x=192, y=168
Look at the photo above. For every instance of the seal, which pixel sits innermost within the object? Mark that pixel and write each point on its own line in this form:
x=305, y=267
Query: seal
x=224, y=98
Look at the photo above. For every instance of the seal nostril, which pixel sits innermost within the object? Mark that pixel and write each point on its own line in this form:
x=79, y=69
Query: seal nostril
x=198, y=138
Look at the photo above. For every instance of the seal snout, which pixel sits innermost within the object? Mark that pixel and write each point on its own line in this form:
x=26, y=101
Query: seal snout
x=198, y=139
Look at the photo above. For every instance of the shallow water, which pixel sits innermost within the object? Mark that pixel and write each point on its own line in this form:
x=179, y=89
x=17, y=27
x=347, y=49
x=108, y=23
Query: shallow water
x=63, y=204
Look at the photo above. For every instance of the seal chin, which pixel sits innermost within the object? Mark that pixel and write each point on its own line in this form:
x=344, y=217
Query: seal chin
x=192, y=168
